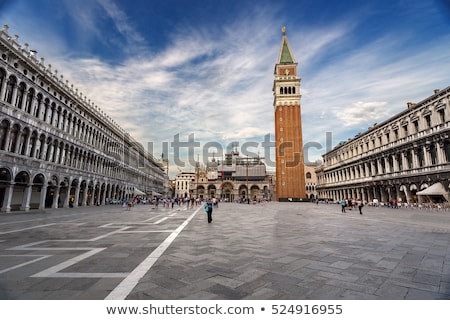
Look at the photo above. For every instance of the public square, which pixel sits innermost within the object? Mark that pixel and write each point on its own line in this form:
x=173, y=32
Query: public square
x=257, y=251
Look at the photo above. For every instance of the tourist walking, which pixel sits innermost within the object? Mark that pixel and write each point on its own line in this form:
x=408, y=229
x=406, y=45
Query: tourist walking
x=343, y=204
x=209, y=209
x=360, y=206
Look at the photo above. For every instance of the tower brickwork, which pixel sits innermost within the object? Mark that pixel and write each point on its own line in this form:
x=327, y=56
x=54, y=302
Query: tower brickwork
x=290, y=169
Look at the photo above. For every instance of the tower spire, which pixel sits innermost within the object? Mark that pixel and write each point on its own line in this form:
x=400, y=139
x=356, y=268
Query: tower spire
x=285, y=55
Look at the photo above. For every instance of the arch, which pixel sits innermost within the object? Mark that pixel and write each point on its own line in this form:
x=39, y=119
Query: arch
x=21, y=182
x=4, y=132
x=22, y=178
x=29, y=101
x=200, y=191
x=24, y=144
x=255, y=193
x=12, y=81
x=212, y=192
x=37, y=188
x=5, y=175
x=20, y=95
x=243, y=192
x=50, y=196
x=13, y=138
x=82, y=193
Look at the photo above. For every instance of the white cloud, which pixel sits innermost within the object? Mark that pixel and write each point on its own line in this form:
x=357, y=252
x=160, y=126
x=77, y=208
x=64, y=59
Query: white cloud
x=217, y=82
x=361, y=113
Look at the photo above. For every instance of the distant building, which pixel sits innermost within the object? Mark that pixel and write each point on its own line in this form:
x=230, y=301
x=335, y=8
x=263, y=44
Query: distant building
x=184, y=184
x=57, y=149
x=290, y=170
x=234, y=178
x=405, y=158
x=311, y=182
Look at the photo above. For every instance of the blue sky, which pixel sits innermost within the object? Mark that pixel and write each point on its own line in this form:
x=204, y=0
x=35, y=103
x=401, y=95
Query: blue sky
x=166, y=68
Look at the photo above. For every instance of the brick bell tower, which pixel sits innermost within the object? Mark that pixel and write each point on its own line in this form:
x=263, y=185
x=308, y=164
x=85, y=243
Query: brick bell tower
x=290, y=167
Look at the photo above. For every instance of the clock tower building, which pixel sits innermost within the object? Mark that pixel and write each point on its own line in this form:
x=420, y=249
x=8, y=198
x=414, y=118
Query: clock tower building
x=290, y=168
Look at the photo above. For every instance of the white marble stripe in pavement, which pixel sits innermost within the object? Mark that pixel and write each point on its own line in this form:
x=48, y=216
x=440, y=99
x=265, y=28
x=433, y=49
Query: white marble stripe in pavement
x=39, y=257
x=50, y=272
x=160, y=220
x=129, y=283
x=24, y=229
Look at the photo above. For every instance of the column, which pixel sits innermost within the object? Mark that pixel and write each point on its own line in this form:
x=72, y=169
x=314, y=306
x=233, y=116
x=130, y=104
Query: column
x=427, y=155
x=56, y=198
x=3, y=89
x=440, y=152
x=14, y=95
x=43, y=195
x=7, y=200
x=77, y=195
x=104, y=196
x=83, y=201
x=26, y=198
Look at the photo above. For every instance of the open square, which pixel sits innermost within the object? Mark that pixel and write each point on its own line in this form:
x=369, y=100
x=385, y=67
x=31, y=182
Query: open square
x=262, y=251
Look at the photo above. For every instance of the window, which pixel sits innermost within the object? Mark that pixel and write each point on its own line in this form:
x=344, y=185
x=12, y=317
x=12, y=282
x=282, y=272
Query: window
x=400, y=162
x=409, y=159
x=421, y=157
x=416, y=126
x=396, y=134
x=308, y=175
x=428, y=121
x=433, y=154
x=405, y=130
x=442, y=115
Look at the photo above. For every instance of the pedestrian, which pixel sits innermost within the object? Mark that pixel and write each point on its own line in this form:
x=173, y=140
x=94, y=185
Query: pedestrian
x=209, y=209
x=343, y=205
x=360, y=206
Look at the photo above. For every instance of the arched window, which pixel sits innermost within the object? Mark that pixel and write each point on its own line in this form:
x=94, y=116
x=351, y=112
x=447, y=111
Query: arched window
x=308, y=175
x=30, y=98
x=9, y=89
x=281, y=90
x=4, y=128
x=20, y=95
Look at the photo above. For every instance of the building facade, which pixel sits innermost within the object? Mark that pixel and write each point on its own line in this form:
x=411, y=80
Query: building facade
x=404, y=159
x=290, y=170
x=234, y=178
x=311, y=182
x=57, y=149
x=184, y=184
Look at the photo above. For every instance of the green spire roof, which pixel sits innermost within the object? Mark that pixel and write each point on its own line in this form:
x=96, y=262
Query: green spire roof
x=286, y=56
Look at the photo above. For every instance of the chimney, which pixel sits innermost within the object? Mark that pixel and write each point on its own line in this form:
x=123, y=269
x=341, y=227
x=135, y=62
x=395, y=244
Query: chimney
x=411, y=105
x=436, y=91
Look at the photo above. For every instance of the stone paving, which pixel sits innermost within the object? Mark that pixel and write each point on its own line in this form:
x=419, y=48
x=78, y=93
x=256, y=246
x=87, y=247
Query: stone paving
x=264, y=251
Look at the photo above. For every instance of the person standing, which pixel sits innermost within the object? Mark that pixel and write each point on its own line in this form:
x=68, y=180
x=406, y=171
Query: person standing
x=360, y=206
x=343, y=205
x=209, y=209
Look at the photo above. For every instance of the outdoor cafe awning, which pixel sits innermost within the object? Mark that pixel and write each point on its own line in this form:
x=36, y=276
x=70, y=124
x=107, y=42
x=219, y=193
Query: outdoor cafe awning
x=156, y=194
x=433, y=190
x=138, y=192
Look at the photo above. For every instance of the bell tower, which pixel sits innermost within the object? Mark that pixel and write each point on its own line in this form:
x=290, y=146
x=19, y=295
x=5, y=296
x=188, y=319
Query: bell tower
x=290, y=167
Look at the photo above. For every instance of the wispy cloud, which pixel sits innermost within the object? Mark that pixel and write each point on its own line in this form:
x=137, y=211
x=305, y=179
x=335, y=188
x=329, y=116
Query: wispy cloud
x=215, y=81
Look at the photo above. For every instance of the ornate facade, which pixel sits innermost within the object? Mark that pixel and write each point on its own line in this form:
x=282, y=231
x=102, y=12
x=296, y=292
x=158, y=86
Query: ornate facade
x=290, y=170
x=234, y=178
x=57, y=149
x=406, y=158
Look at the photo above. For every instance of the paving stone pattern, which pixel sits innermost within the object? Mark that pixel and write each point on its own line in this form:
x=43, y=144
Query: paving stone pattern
x=264, y=251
